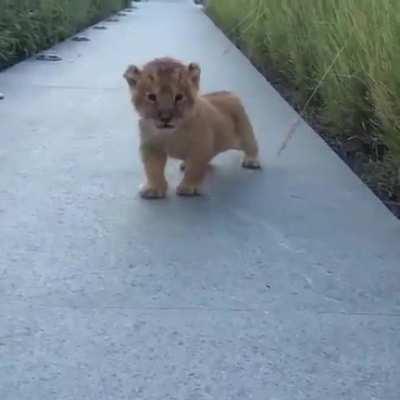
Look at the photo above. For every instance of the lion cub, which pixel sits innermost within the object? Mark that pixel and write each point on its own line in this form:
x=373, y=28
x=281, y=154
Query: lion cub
x=176, y=121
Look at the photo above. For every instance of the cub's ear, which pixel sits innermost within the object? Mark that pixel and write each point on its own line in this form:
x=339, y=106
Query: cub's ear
x=132, y=75
x=194, y=73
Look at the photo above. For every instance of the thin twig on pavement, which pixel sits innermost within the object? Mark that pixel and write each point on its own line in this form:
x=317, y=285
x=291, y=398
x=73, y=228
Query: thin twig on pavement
x=292, y=129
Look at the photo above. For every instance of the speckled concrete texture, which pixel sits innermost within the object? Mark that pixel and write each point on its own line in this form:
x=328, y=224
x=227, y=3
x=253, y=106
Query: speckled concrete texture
x=276, y=285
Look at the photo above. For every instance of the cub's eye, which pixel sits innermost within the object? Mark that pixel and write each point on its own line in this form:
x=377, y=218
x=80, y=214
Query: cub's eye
x=178, y=98
x=152, y=97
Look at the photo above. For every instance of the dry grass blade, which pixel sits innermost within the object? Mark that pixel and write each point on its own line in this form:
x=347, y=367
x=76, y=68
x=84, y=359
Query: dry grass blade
x=292, y=128
x=238, y=25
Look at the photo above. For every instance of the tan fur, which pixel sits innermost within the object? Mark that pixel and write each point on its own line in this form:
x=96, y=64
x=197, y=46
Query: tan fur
x=175, y=121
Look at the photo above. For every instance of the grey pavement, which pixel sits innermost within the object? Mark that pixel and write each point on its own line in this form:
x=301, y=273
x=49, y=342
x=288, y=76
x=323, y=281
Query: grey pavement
x=276, y=285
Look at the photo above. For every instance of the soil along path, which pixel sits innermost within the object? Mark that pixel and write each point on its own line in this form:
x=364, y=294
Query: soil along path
x=280, y=284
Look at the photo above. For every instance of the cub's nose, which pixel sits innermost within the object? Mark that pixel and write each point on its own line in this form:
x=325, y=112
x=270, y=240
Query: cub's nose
x=165, y=116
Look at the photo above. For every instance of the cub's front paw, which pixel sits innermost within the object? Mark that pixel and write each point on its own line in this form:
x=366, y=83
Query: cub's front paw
x=187, y=190
x=152, y=193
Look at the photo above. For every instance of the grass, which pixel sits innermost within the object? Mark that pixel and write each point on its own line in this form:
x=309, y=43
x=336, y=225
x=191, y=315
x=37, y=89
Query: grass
x=27, y=26
x=360, y=95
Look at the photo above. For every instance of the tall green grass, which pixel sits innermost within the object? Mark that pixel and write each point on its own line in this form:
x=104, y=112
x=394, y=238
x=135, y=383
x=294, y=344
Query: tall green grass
x=27, y=26
x=301, y=38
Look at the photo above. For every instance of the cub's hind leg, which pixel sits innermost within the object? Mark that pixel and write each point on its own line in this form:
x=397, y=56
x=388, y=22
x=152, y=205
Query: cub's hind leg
x=247, y=142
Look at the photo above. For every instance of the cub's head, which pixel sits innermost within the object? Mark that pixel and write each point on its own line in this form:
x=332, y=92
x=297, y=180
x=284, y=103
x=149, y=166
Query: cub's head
x=164, y=91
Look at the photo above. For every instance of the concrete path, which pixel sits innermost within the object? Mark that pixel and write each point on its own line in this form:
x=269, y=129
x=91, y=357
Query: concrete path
x=279, y=285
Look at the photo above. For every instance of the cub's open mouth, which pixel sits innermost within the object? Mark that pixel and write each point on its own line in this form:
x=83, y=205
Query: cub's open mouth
x=166, y=126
